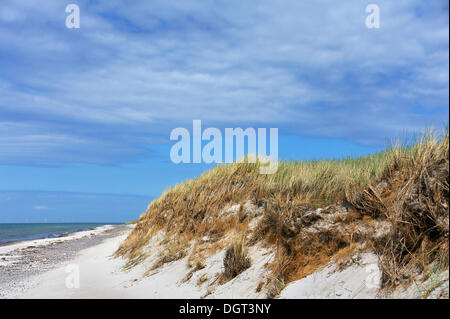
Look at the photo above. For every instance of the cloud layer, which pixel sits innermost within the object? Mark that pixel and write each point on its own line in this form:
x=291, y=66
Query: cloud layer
x=105, y=92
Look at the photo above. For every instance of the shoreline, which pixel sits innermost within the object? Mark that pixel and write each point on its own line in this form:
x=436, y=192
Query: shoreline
x=102, y=276
x=6, y=247
x=53, y=235
x=22, y=263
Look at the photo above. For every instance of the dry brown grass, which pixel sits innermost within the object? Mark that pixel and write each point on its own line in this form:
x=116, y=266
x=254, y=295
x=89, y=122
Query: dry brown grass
x=197, y=265
x=195, y=206
x=274, y=286
x=404, y=189
x=298, y=256
x=172, y=253
x=412, y=195
x=236, y=259
x=192, y=209
x=342, y=258
x=202, y=279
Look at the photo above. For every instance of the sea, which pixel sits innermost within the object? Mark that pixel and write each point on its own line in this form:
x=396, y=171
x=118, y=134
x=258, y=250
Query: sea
x=29, y=231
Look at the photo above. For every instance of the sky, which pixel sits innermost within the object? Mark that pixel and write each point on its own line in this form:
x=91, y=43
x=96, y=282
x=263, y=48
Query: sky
x=86, y=114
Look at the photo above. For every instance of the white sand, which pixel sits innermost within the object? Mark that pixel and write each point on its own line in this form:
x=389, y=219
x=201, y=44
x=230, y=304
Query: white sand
x=360, y=280
x=101, y=276
x=96, y=275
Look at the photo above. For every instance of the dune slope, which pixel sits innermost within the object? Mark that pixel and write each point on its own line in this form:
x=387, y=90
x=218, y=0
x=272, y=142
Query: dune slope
x=307, y=216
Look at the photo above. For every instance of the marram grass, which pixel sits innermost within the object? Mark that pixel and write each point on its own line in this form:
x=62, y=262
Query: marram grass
x=194, y=209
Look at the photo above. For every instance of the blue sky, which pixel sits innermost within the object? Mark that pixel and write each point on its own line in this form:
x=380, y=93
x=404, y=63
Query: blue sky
x=89, y=111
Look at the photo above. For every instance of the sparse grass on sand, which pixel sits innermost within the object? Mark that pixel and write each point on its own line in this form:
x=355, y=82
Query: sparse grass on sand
x=236, y=259
x=404, y=188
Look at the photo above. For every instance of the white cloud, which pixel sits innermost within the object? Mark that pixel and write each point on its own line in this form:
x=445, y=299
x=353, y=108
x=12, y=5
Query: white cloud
x=310, y=68
x=40, y=207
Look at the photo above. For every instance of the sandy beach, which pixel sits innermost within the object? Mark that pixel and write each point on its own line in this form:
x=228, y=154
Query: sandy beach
x=22, y=264
x=43, y=268
x=46, y=269
x=82, y=266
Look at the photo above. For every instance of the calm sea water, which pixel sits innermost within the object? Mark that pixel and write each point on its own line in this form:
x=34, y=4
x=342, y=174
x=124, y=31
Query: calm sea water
x=16, y=232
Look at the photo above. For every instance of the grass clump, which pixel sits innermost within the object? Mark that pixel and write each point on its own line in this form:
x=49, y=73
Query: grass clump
x=236, y=260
